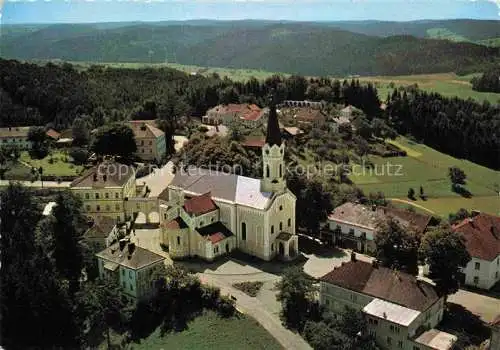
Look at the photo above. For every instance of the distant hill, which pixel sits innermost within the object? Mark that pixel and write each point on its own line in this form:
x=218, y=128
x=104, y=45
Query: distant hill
x=329, y=48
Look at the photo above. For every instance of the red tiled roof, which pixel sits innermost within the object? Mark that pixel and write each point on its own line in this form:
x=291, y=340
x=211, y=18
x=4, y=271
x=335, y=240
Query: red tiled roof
x=176, y=224
x=53, y=134
x=215, y=232
x=252, y=115
x=406, y=218
x=200, y=204
x=383, y=283
x=482, y=236
x=253, y=142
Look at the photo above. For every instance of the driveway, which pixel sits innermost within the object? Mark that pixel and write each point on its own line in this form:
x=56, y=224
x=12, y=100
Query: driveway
x=158, y=180
x=487, y=308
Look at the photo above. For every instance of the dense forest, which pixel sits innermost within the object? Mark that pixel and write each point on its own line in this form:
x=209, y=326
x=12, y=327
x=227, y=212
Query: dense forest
x=337, y=48
x=55, y=95
x=489, y=81
x=462, y=128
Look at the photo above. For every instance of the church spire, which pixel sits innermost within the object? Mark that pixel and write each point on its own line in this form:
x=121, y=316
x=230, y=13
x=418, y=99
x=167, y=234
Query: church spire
x=273, y=136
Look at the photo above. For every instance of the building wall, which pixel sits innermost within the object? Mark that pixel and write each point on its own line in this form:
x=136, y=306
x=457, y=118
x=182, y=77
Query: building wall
x=273, y=168
x=250, y=231
x=336, y=298
x=20, y=142
x=355, y=232
x=102, y=202
x=495, y=338
x=178, y=242
x=485, y=273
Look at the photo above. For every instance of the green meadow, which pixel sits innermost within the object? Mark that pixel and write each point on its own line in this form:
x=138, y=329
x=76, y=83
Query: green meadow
x=426, y=167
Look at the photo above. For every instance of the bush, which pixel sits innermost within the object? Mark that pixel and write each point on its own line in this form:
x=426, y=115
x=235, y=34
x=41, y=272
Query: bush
x=225, y=306
x=79, y=155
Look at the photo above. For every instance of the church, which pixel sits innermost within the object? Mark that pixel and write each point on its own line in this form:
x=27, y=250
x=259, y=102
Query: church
x=207, y=214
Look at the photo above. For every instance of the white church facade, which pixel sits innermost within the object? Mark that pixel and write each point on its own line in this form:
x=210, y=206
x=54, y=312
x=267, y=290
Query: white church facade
x=206, y=213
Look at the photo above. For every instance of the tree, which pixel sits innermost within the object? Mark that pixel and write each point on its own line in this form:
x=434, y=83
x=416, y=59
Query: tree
x=32, y=296
x=411, y=193
x=116, y=140
x=103, y=307
x=461, y=214
x=445, y=252
x=39, y=140
x=314, y=206
x=296, y=294
x=397, y=247
x=68, y=229
x=457, y=176
x=422, y=194
x=80, y=132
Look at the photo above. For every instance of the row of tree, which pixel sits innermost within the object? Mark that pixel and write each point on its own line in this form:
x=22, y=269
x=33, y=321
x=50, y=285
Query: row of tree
x=462, y=128
x=489, y=81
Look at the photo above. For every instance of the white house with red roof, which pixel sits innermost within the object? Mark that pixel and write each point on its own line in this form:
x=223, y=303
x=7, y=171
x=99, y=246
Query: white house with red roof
x=207, y=213
x=222, y=114
x=482, y=240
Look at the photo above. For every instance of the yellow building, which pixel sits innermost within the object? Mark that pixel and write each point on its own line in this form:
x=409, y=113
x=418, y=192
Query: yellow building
x=104, y=189
x=130, y=266
x=15, y=136
x=149, y=139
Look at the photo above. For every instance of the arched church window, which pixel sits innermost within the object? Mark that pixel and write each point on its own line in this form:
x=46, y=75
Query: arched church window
x=267, y=170
x=281, y=207
x=289, y=222
x=281, y=170
x=281, y=225
x=272, y=229
x=243, y=231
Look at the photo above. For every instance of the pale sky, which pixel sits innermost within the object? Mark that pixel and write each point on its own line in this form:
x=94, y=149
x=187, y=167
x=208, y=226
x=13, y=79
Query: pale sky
x=78, y=11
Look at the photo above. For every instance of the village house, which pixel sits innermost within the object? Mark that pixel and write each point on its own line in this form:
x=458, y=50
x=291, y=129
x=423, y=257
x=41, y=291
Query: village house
x=150, y=141
x=212, y=212
x=105, y=189
x=482, y=240
x=354, y=226
x=249, y=114
x=15, y=136
x=130, y=266
x=105, y=231
x=401, y=310
x=303, y=115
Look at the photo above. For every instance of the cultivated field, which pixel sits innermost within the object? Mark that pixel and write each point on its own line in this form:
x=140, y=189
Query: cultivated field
x=428, y=168
x=209, y=331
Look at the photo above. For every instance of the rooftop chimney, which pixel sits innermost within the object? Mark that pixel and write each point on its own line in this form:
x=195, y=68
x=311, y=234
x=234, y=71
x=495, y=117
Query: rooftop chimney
x=475, y=212
x=123, y=242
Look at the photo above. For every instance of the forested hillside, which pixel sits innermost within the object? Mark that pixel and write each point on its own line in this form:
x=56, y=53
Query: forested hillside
x=297, y=48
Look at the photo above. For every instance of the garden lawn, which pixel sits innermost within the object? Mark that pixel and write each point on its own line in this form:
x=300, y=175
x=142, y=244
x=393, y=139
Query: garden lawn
x=428, y=168
x=210, y=331
x=61, y=165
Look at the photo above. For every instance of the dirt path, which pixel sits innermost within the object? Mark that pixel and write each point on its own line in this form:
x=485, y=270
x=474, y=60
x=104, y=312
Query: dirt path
x=412, y=204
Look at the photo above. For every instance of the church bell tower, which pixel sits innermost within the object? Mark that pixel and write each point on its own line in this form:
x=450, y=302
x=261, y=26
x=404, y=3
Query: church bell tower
x=273, y=153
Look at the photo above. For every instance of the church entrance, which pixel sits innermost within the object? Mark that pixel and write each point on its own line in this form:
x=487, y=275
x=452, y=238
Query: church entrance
x=281, y=249
x=227, y=248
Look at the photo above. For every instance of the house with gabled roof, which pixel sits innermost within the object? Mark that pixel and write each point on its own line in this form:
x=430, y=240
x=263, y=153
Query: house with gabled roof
x=482, y=240
x=150, y=141
x=401, y=310
x=257, y=216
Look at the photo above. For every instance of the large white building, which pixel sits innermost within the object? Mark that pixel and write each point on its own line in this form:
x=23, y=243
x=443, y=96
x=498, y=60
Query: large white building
x=401, y=310
x=482, y=240
x=207, y=213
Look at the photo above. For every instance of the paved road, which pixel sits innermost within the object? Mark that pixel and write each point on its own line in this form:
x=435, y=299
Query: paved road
x=158, y=180
x=46, y=184
x=412, y=203
x=256, y=309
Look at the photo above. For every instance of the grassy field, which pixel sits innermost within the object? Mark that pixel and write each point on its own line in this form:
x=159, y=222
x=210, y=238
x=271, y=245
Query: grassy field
x=447, y=84
x=209, y=331
x=428, y=168
x=56, y=163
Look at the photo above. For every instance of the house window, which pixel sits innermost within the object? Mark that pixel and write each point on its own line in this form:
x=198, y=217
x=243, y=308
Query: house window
x=389, y=340
x=281, y=226
x=123, y=272
x=496, y=274
x=476, y=280
x=88, y=207
x=327, y=302
x=130, y=274
x=97, y=196
x=178, y=240
x=289, y=222
x=117, y=195
x=117, y=206
x=98, y=208
x=351, y=231
x=272, y=229
x=477, y=266
x=131, y=287
x=87, y=196
x=400, y=344
x=354, y=297
x=243, y=231
x=108, y=208
x=150, y=143
x=142, y=142
x=165, y=216
x=372, y=332
x=124, y=285
x=281, y=207
x=106, y=195
x=272, y=247
x=201, y=223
